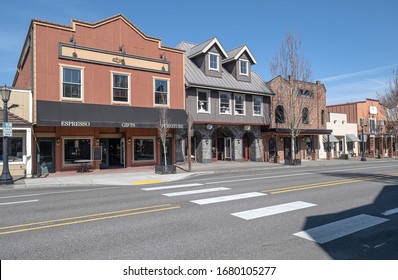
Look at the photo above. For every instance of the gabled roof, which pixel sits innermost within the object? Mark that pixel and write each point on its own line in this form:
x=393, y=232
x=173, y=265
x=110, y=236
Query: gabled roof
x=14, y=119
x=236, y=53
x=195, y=77
x=205, y=46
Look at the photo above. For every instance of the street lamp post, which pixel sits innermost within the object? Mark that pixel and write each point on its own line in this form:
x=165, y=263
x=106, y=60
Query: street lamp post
x=362, y=123
x=5, y=177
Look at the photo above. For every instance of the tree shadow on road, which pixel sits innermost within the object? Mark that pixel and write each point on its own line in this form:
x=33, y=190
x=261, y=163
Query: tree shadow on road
x=377, y=242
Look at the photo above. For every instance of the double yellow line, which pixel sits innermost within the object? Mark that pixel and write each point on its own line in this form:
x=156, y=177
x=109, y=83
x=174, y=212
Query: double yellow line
x=326, y=184
x=85, y=219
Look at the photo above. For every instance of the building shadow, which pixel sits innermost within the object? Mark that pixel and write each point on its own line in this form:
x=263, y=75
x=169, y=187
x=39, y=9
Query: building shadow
x=377, y=242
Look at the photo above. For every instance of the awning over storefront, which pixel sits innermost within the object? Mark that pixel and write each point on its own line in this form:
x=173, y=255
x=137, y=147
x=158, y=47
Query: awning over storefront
x=50, y=113
x=302, y=131
x=332, y=139
x=352, y=138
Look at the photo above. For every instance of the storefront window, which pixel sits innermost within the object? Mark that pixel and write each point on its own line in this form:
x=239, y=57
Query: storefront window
x=76, y=149
x=14, y=149
x=144, y=149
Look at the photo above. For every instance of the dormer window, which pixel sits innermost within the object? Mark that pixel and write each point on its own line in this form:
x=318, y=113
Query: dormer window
x=214, y=61
x=243, y=67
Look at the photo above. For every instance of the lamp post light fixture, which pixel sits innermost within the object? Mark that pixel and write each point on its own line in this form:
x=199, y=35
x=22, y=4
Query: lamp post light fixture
x=362, y=124
x=5, y=177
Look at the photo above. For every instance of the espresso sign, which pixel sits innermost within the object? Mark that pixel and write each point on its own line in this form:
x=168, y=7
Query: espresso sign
x=75, y=123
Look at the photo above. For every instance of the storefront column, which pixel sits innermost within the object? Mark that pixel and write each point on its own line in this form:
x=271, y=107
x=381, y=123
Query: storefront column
x=372, y=146
x=238, y=149
x=390, y=147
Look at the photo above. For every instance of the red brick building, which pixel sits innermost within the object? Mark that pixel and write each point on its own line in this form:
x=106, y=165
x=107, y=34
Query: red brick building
x=306, y=114
x=97, y=89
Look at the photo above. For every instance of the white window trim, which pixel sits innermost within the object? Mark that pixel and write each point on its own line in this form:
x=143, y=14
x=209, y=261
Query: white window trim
x=219, y=103
x=261, y=106
x=168, y=92
x=17, y=134
x=218, y=61
x=128, y=89
x=244, y=105
x=75, y=138
x=208, y=101
x=61, y=80
x=247, y=67
x=154, y=148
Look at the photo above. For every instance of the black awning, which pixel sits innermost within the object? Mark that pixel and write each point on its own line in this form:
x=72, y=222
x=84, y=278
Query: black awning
x=50, y=113
x=302, y=131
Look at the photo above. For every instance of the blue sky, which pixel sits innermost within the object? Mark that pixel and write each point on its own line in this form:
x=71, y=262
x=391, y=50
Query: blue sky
x=351, y=45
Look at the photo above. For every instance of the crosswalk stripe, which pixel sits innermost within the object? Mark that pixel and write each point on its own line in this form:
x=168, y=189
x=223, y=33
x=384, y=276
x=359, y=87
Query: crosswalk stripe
x=196, y=191
x=172, y=187
x=390, y=212
x=272, y=210
x=332, y=231
x=227, y=198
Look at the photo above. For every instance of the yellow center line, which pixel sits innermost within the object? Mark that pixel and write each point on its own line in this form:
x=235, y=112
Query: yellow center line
x=147, y=182
x=87, y=218
x=325, y=184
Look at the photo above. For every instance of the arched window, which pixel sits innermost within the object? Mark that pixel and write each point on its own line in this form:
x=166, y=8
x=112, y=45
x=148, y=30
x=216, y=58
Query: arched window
x=279, y=114
x=323, y=117
x=305, y=115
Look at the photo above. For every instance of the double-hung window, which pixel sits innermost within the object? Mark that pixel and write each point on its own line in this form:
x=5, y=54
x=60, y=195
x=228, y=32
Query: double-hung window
x=225, y=103
x=203, y=102
x=257, y=106
x=71, y=83
x=244, y=67
x=161, y=92
x=214, y=60
x=372, y=125
x=120, y=87
x=239, y=104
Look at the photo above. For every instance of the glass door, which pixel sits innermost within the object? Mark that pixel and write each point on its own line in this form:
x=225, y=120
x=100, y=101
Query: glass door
x=46, y=155
x=227, y=148
x=123, y=152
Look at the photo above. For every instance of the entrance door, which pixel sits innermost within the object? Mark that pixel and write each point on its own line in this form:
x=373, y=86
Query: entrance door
x=228, y=148
x=46, y=155
x=287, y=144
x=245, y=148
x=112, y=152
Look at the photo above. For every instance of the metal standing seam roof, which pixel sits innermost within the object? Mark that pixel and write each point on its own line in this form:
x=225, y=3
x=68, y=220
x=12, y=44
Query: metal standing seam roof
x=195, y=77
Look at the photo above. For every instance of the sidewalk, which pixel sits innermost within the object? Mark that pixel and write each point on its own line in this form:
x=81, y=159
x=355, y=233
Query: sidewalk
x=146, y=175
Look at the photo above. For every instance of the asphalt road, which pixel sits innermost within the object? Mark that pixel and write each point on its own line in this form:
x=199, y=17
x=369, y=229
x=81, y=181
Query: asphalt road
x=328, y=212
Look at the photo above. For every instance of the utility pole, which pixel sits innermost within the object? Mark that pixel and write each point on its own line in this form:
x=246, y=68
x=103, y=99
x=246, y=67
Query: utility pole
x=189, y=158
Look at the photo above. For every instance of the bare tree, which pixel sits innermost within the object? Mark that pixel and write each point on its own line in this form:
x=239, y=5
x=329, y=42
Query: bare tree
x=389, y=100
x=163, y=130
x=292, y=74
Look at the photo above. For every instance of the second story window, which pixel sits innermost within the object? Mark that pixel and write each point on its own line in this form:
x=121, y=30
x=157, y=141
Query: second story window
x=71, y=83
x=120, y=87
x=203, y=102
x=161, y=92
x=239, y=104
x=372, y=125
x=214, y=61
x=225, y=103
x=257, y=105
x=305, y=116
x=244, y=67
x=279, y=114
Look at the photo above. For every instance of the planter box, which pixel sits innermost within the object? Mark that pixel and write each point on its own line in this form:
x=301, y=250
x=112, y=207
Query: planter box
x=292, y=162
x=165, y=169
x=345, y=156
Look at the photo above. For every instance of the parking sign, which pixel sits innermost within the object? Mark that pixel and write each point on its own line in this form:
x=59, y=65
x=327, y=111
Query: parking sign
x=7, y=129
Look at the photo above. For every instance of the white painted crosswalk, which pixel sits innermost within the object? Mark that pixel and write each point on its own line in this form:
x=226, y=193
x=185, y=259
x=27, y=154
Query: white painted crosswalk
x=338, y=229
x=272, y=210
x=196, y=192
x=227, y=198
x=172, y=187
